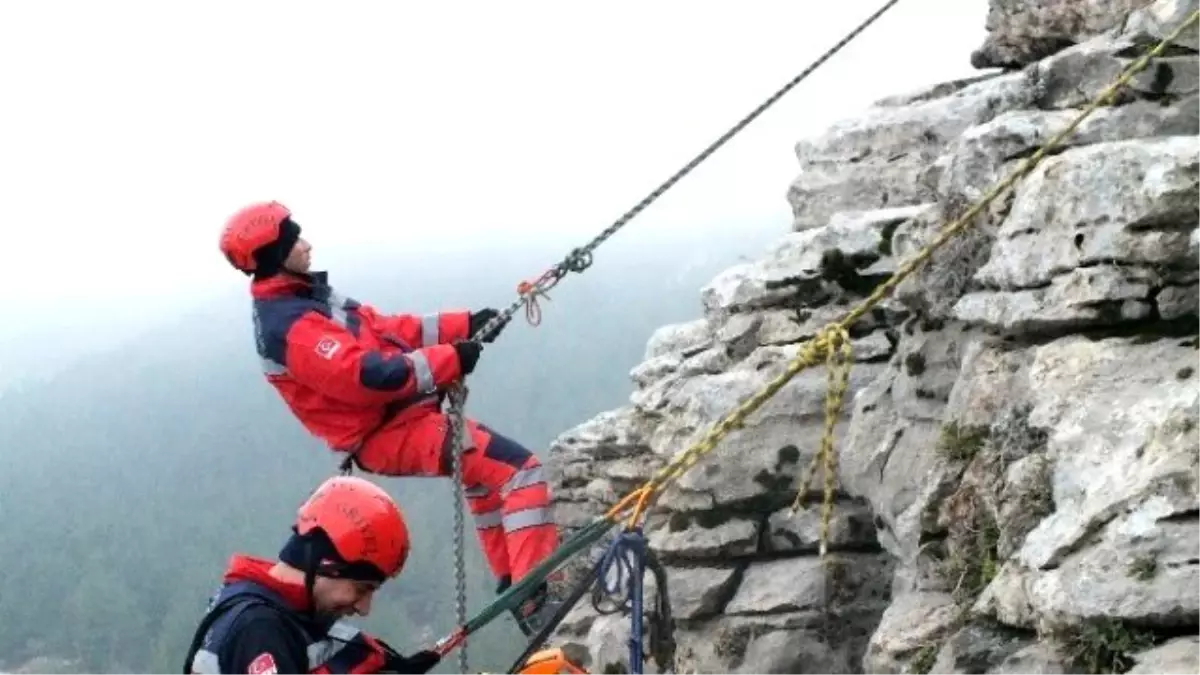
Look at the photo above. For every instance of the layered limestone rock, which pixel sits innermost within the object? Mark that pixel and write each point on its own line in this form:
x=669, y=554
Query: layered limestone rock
x=1021, y=32
x=1019, y=445
x=748, y=592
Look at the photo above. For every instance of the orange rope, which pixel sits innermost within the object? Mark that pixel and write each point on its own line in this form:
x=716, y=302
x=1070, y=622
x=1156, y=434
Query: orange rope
x=529, y=292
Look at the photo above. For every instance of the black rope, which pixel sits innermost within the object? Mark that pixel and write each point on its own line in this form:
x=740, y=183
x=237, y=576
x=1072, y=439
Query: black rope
x=580, y=258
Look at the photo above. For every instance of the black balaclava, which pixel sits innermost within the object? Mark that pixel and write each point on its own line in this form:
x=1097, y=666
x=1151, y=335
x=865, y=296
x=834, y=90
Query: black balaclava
x=269, y=259
x=314, y=554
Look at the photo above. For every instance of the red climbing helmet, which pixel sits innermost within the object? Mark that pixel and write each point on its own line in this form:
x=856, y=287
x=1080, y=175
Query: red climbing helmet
x=362, y=522
x=250, y=229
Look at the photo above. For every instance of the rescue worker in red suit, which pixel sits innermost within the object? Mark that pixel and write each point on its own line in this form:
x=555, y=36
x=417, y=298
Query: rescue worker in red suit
x=288, y=616
x=369, y=385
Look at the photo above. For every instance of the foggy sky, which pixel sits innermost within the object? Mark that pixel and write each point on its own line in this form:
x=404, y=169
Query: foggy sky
x=132, y=129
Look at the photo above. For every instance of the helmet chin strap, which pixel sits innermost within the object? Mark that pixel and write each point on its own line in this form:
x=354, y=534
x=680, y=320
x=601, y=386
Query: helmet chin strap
x=314, y=555
x=311, y=562
x=310, y=577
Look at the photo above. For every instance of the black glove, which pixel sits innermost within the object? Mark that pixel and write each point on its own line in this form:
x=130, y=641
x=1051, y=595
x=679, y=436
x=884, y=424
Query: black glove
x=479, y=319
x=420, y=662
x=468, y=355
x=395, y=662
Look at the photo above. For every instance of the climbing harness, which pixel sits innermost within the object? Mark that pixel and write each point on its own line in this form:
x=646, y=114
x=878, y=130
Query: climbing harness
x=832, y=338
x=578, y=260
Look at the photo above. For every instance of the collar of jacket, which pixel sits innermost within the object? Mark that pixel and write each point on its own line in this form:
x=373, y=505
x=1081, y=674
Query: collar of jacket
x=288, y=283
x=244, y=567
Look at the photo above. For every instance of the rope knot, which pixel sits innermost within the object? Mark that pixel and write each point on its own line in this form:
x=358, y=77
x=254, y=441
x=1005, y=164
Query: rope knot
x=831, y=338
x=530, y=291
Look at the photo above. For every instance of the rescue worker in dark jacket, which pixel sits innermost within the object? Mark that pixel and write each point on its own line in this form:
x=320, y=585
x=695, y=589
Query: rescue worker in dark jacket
x=369, y=385
x=288, y=616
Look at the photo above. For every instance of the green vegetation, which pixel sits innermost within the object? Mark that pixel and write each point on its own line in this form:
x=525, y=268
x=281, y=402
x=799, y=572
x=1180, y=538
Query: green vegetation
x=961, y=443
x=1102, y=645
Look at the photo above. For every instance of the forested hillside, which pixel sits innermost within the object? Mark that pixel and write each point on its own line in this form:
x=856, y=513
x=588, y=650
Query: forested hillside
x=130, y=477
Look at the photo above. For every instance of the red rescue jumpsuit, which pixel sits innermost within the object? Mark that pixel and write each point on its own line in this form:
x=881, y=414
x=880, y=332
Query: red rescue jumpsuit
x=367, y=384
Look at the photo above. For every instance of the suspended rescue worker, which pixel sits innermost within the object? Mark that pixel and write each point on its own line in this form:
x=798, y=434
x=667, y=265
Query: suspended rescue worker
x=368, y=384
x=289, y=616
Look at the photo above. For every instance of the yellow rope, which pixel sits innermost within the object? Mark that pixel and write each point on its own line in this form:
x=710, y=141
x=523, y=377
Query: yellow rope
x=833, y=339
x=838, y=359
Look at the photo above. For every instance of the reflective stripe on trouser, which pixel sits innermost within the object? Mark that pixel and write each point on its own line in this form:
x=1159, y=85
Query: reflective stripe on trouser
x=505, y=489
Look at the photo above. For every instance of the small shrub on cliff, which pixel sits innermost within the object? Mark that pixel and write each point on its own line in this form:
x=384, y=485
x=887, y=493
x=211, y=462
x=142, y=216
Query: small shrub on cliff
x=924, y=659
x=961, y=443
x=973, y=567
x=1104, y=645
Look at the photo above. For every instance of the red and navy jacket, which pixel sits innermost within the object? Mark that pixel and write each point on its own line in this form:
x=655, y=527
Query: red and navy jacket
x=258, y=624
x=340, y=365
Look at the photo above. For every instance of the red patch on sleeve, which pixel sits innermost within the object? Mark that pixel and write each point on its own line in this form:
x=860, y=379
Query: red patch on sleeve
x=263, y=664
x=327, y=347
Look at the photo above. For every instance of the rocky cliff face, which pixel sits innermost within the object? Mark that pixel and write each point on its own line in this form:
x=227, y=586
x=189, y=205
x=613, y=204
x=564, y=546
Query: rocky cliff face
x=1018, y=452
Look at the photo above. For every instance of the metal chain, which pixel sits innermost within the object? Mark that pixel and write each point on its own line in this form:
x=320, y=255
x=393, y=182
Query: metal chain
x=580, y=259
x=458, y=397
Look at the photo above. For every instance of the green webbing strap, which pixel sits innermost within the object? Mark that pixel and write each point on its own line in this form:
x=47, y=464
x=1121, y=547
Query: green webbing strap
x=521, y=591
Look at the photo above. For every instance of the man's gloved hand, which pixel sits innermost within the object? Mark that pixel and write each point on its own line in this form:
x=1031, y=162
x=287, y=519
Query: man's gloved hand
x=395, y=662
x=420, y=662
x=479, y=319
x=503, y=584
x=468, y=355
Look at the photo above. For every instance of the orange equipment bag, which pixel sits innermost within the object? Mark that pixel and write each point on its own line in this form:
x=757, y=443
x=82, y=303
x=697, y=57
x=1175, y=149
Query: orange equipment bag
x=549, y=662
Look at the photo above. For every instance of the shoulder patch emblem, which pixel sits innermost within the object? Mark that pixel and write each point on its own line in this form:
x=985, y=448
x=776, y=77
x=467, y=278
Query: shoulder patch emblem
x=263, y=664
x=327, y=347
